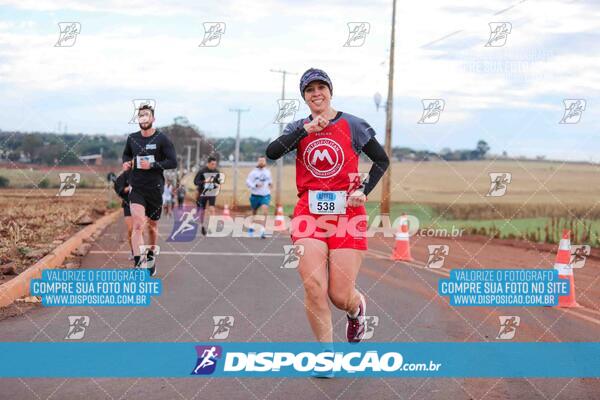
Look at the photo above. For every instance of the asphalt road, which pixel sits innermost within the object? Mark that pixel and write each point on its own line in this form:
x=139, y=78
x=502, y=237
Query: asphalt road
x=243, y=278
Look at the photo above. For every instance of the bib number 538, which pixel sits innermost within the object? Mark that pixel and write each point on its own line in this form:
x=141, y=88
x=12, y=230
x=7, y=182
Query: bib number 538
x=326, y=206
x=327, y=202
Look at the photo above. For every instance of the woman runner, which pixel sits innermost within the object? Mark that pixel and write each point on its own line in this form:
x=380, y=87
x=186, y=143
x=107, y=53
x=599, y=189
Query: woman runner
x=330, y=216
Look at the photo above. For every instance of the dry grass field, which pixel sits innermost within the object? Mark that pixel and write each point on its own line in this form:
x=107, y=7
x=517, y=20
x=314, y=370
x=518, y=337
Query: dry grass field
x=91, y=177
x=541, y=199
x=455, y=189
x=34, y=221
x=458, y=189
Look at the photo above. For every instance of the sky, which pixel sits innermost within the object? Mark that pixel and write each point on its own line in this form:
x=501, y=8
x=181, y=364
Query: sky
x=510, y=94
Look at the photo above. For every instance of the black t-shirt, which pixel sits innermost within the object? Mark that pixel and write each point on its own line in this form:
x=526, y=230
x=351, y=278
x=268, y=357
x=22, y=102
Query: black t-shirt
x=159, y=150
x=207, y=180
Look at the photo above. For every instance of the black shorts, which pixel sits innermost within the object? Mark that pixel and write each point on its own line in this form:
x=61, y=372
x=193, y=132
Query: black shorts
x=126, y=209
x=202, y=200
x=151, y=199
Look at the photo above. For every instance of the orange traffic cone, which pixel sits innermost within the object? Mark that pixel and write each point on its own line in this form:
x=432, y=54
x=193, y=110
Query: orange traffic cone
x=402, y=249
x=562, y=264
x=279, y=220
x=226, y=212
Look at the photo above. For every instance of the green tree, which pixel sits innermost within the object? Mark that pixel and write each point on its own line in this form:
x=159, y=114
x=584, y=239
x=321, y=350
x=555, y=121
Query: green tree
x=482, y=149
x=32, y=146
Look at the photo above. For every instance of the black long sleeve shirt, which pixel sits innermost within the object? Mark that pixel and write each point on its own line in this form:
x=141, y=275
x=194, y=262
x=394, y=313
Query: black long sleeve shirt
x=160, y=148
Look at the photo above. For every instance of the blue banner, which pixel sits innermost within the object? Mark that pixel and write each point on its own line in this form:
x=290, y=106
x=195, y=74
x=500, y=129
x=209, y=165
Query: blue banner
x=260, y=360
x=96, y=287
x=503, y=287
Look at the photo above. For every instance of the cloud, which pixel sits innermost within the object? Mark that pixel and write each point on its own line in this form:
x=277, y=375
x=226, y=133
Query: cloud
x=135, y=49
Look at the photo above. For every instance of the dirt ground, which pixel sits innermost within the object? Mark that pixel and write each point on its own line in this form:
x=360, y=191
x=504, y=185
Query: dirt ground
x=478, y=252
x=35, y=221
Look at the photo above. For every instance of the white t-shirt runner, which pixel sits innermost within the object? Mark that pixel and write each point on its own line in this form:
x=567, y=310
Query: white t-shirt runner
x=167, y=193
x=259, y=176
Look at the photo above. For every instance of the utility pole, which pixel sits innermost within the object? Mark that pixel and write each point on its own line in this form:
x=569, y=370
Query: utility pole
x=198, y=144
x=189, y=156
x=239, y=112
x=387, y=178
x=279, y=175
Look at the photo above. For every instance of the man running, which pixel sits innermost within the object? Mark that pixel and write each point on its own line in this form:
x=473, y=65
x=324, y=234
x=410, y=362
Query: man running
x=148, y=153
x=208, y=181
x=259, y=182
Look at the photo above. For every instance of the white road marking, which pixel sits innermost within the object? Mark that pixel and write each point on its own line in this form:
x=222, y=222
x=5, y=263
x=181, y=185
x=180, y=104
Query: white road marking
x=195, y=253
x=416, y=264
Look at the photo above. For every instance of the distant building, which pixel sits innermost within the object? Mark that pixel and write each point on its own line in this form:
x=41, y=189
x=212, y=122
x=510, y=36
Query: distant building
x=24, y=158
x=92, y=159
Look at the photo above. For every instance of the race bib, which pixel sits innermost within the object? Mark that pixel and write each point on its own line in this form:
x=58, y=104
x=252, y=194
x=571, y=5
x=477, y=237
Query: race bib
x=327, y=202
x=149, y=158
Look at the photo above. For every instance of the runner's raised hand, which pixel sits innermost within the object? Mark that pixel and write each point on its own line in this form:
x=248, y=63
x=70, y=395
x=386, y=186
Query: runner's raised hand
x=316, y=125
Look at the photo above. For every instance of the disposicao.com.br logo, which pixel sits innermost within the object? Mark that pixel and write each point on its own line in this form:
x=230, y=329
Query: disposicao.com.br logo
x=303, y=362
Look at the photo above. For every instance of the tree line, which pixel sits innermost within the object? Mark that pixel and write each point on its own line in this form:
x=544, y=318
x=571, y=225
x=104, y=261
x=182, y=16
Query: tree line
x=65, y=149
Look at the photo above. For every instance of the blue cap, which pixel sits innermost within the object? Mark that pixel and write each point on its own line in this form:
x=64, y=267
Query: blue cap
x=314, y=74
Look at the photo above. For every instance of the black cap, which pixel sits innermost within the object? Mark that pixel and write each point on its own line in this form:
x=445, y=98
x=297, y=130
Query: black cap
x=314, y=74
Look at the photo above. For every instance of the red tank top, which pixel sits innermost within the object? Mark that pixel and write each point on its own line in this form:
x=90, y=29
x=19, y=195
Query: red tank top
x=326, y=160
